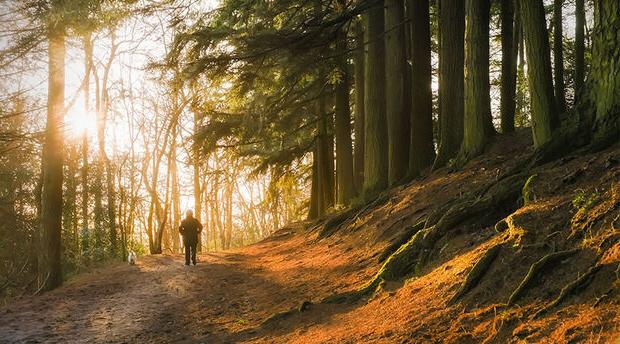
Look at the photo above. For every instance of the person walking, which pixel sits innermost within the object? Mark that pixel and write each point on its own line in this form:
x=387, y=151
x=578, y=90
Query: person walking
x=189, y=229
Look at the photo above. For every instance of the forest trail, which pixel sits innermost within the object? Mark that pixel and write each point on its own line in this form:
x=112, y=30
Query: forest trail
x=223, y=299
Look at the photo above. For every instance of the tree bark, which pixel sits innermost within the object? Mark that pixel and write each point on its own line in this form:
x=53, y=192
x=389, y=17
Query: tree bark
x=604, y=79
x=510, y=41
x=580, y=20
x=558, y=57
x=451, y=69
x=396, y=99
x=325, y=169
x=344, y=146
x=197, y=187
x=477, y=122
x=50, y=268
x=520, y=116
x=376, y=163
x=176, y=195
x=544, y=115
x=358, y=63
x=88, y=57
x=422, y=150
x=313, y=208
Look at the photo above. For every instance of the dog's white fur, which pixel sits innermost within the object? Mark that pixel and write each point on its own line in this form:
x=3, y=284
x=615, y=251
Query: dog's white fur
x=132, y=258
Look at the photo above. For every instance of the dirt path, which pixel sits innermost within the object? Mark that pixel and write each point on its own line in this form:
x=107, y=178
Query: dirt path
x=224, y=299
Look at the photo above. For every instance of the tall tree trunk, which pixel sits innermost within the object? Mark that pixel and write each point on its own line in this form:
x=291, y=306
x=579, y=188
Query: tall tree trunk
x=376, y=164
x=477, y=121
x=176, y=196
x=205, y=198
x=580, y=21
x=197, y=187
x=325, y=159
x=396, y=100
x=604, y=78
x=510, y=41
x=451, y=69
x=313, y=208
x=422, y=150
x=344, y=146
x=102, y=105
x=544, y=115
x=558, y=57
x=111, y=193
x=99, y=217
x=228, y=212
x=50, y=268
x=358, y=63
x=520, y=116
x=88, y=57
x=69, y=217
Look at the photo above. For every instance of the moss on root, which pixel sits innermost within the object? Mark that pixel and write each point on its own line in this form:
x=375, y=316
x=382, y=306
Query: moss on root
x=401, y=240
x=410, y=256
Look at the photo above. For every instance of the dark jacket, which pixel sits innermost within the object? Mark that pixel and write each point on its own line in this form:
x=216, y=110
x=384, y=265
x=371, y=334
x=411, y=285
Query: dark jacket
x=190, y=228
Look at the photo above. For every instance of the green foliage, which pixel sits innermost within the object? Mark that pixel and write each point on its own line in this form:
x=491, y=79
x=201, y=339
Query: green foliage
x=583, y=201
x=138, y=247
x=277, y=59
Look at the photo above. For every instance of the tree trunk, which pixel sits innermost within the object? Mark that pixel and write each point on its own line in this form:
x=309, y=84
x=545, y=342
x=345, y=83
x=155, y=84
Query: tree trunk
x=69, y=217
x=358, y=63
x=228, y=212
x=50, y=268
x=176, y=196
x=604, y=78
x=544, y=115
x=477, y=121
x=422, y=150
x=88, y=57
x=325, y=167
x=111, y=193
x=197, y=189
x=451, y=69
x=510, y=41
x=344, y=147
x=97, y=244
x=376, y=133
x=520, y=115
x=580, y=20
x=313, y=208
x=396, y=99
x=558, y=57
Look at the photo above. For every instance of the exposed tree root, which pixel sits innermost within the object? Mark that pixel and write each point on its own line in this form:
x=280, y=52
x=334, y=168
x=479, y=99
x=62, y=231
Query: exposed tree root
x=331, y=225
x=507, y=188
x=410, y=256
x=350, y=215
x=535, y=270
x=477, y=272
x=573, y=287
x=401, y=240
x=274, y=318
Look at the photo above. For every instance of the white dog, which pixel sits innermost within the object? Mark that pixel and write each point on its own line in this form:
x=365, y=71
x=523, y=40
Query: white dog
x=132, y=258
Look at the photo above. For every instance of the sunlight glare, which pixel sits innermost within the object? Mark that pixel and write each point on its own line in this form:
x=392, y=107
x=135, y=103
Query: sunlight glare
x=79, y=121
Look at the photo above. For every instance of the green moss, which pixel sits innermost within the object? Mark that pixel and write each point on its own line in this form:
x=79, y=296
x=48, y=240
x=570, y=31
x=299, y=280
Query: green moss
x=527, y=192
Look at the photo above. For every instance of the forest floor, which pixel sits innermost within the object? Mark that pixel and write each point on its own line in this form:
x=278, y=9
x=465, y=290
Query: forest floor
x=258, y=294
x=223, y=299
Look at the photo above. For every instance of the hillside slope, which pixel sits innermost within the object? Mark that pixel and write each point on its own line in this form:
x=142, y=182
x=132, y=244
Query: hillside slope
x=553, y=257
